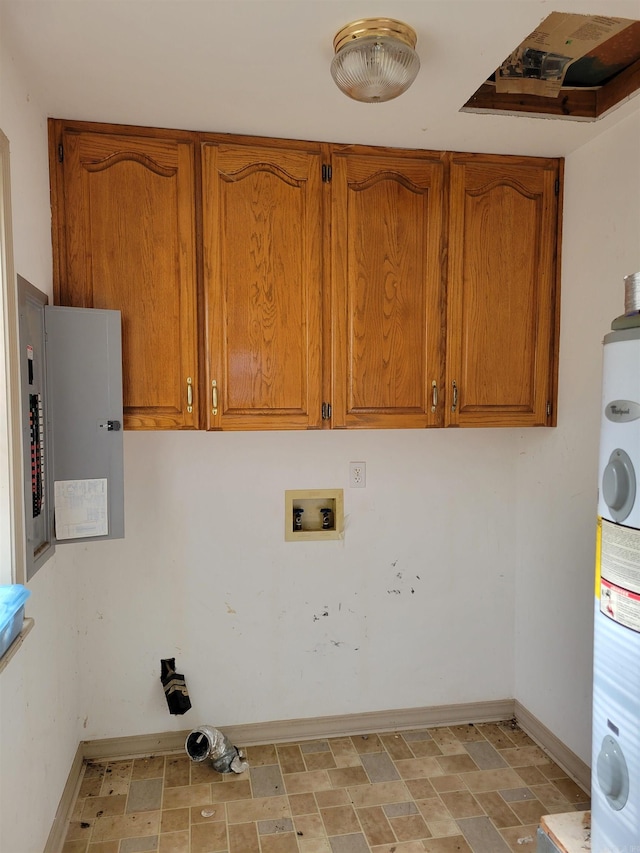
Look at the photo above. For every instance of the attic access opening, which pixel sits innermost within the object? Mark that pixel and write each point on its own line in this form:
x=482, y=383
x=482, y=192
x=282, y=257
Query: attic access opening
x=572, y=66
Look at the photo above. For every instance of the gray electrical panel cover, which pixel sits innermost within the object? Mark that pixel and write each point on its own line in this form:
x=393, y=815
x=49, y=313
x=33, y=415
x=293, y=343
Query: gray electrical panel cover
x=71, y=393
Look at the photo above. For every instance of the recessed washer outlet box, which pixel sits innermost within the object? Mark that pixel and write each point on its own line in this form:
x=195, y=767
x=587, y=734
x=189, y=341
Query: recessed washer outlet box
x=313, y=514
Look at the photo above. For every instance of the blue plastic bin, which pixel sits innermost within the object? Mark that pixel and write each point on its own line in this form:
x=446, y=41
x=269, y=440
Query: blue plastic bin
x=12, y=599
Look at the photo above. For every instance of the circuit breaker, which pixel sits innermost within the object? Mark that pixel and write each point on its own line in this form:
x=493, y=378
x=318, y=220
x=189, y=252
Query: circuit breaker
x=71, y=397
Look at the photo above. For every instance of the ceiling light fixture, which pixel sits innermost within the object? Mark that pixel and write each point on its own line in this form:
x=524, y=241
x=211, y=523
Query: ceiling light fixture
x=375, y=59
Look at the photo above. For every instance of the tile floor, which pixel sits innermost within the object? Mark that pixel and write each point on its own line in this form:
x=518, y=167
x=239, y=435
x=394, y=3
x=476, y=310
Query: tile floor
x=456, y=789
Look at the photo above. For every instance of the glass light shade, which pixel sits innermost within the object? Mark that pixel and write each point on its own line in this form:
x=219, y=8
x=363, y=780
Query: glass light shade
x=375, y=66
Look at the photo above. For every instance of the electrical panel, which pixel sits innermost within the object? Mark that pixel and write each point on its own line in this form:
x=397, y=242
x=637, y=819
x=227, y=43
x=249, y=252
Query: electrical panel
x=71, y=397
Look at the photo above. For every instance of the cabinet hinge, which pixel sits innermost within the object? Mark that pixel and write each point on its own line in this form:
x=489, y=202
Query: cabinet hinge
x=557, y=186
x=326, y=411
x=548, y=409
x=60, y=153
x=326, y=173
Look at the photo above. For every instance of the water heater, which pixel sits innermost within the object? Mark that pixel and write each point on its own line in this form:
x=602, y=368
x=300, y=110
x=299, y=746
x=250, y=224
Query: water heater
x=615, y=788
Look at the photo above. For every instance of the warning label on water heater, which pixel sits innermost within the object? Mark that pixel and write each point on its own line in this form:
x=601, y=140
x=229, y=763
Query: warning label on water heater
x=620, y=574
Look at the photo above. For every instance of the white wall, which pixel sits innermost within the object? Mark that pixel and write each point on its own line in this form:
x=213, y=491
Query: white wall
x=39, y=690
x=557, y=469
x=418, y=596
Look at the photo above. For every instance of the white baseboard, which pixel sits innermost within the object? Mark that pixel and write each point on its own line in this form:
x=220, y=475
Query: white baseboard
x=279, y=731
x=253, y=734
x=65, y=806
x=558, y=752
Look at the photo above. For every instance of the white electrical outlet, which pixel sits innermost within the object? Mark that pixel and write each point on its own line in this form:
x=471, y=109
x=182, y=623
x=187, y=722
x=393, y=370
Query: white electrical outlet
x=357, y=475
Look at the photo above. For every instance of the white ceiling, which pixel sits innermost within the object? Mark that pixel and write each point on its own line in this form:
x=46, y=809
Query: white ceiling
x=262, y=67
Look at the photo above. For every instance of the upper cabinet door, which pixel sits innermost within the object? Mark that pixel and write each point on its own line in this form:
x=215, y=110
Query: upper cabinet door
x=262, y=232
x=501, y=319
x=124, y=238
x=387, y=287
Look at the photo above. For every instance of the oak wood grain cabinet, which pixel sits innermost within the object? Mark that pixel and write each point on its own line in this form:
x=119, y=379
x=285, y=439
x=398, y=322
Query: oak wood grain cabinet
x=502, y=311
x=282, y=284
x=123, y=206
x=387, y=217
x=262, y=210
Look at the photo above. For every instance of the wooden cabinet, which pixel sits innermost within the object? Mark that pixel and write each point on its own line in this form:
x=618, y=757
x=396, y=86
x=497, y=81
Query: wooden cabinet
x=262, y=248
x=124, y=237
x=502, y=312
x=264, y=282
x=387, y=288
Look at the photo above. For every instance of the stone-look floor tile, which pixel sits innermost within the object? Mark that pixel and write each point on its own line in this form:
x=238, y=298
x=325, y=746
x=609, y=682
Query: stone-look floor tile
x=91, y=786
x=521, y=839
x=291, y=760
x=238, y=789
x=315, y=746
x=496, y=735
x=208, y=814
x=190, y=795
x=319, y=760
x=313, y=845
x=174, y=820
x=409, y=827
x=266, y=781
x=512, y=795
x=448, y=744
x=516, y=734
x=174, y=842
x=116, y=778
x=375, y=825
x=258, y=756
x=340, y=820
x=451, y=844
x=243, y=838
x=572, y=792
x=285, y=843
x=397, y=747
x=366, y=743
x=485, y=755
x=531, y=775
x=496, y=808
x=98, y=806
x=202, y=772
x=303, y=804
x=461, y=804
x=550, y=796
x=482, y=836
x=443, y=828
x=400, y=847
x=379, y=767
x=266, y=808
x=456, y=763
x=420, y=768
x=269, y=827
x=529, y=811
x=379, y=794
x=416, y=735
x=177, y=771
x=94, y=769
x=449, y=782
x=75, y=847
x=100, y=847
x=126, y=826
x=80, y=831
x=397, y=809
x=466, y=733
x=343, y=777
x=303, y=783
x=337, y=797
x=148, y=844
x=208, y=837
x=433, y=809
x=309, y=826
x=344, y=752
x=552, y=771
x=145, y=795
x=491, y=780
x=425, y=748
x=148, y=768
x=355, y=843
x=422, y=789
x=521, y=756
